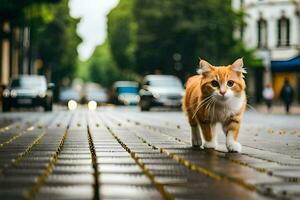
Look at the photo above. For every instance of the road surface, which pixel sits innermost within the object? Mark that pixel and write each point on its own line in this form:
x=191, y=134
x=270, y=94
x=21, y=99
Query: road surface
x=122, y=153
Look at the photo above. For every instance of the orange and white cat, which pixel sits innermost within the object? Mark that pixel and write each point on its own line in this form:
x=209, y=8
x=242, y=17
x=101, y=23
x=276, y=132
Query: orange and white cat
x=216, y=95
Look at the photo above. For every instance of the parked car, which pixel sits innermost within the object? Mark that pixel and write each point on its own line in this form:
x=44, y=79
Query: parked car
x=69, y=95
x=94, y=92
x=160, y=90
x=125, y=93
x=28, y=91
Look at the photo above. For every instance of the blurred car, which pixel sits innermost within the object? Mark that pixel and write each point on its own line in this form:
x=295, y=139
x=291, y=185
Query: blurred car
x=69, y=96
x=94, y=92
x=125, y=93
x=160, y=90
x=28, y=91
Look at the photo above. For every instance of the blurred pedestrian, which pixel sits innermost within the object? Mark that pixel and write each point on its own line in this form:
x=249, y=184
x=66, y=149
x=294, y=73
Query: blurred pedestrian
x=268, y=94
x=287, y=95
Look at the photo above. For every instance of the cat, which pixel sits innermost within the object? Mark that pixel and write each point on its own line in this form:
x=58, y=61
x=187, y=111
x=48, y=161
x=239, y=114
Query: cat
x=216, y=95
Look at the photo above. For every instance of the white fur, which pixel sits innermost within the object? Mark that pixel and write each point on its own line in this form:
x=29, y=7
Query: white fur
x=196, y=136
x=231, y=144
x=238, y=66
x=213, y=144
x=204, y=67
x=235, y=103
x=227, y=105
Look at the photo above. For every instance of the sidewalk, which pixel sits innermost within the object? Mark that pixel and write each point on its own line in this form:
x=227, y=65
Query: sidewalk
x=277, y=109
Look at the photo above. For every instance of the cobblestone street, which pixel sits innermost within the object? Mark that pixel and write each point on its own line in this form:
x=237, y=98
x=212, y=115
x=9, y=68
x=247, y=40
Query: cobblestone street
x=122, y=153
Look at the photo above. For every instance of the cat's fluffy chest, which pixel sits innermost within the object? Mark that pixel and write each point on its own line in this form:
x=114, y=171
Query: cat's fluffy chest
x=223, y=110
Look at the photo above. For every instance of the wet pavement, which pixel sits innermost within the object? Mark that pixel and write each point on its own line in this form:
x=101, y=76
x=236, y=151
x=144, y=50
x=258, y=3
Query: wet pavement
x=121, y=153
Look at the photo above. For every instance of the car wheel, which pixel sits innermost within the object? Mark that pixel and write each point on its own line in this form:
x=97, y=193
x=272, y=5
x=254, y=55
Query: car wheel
x=48, y=105
x=5, y=107
x=145, y=105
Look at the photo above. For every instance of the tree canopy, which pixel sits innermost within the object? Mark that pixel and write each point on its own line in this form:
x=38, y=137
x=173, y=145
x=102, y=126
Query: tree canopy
x=121, y=34
x=169, y=36
x=101, y=68
x=54, y=39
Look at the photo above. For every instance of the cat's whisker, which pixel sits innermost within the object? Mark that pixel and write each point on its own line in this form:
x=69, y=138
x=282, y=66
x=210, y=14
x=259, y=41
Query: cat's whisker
x=212, y=107
x=251, y=107
x=205, y=111
x=202, y=103
x=198, y=108
x=208, y=106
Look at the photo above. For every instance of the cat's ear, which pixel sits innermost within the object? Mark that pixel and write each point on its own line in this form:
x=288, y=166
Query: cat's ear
x=204, y=67
x=238, y=66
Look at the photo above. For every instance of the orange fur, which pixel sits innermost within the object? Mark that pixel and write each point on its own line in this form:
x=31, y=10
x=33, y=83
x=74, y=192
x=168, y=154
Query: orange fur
x=207, y=103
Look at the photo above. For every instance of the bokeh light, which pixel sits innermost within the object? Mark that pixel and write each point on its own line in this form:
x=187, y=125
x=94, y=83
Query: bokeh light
x=72, y=105
x=92, y=105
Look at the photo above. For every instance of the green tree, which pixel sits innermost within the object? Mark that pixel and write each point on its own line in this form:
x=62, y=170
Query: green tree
x=173, y=34
x=102, y=68
x=54, y=39
x=121, y=34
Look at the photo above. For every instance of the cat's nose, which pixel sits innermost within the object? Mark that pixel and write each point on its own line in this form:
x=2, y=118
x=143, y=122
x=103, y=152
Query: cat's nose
x=222, y=93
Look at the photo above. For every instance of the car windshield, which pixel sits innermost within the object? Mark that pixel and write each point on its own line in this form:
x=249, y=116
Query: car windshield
x=127, y=89
x=170, y=82
x=28, y=82
x=68, y=94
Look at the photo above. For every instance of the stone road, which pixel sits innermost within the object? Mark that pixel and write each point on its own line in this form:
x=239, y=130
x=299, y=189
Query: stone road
x=121, y=153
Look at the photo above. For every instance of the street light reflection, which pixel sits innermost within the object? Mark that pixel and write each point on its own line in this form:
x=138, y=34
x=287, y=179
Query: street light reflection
x=72, y=105
x=92, y=105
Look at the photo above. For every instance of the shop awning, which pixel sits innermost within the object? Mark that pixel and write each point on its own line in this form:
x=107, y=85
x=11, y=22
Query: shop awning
x=286, y=66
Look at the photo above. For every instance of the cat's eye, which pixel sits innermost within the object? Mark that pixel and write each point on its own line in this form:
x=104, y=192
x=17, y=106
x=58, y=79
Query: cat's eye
x=230, y=83
x=215, y=83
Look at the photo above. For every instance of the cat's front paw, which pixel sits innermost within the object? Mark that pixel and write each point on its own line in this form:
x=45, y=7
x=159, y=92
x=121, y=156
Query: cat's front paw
x=196, y=143
x=234, y=146
x=210, y=145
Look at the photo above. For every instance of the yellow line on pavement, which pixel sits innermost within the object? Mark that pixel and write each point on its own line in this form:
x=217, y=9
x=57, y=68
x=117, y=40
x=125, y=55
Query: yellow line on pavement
x=35, y=142
x=6, y=128
x=146, y=171
x=200, y=169
x=16, y=136
x=95, y=166
x=41, y=180
x=178, y=140
x=26, y=151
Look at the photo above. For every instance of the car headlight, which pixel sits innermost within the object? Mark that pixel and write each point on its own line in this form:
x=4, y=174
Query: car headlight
x=72, y=105
x=6, y=93
x=42, y=94
x=13, y=93
x=92, y=105
x=121, y=98
x=137, y=98
x=156, y=95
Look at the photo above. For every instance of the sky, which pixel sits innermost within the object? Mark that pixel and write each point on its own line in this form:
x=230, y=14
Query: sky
x=92, y=27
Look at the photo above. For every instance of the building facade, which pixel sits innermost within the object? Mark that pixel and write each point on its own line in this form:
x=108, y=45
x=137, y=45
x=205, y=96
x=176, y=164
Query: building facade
x=272, y=28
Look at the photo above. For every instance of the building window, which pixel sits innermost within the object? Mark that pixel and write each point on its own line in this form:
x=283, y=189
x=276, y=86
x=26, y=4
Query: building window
x=283, y=32
x=262, y=33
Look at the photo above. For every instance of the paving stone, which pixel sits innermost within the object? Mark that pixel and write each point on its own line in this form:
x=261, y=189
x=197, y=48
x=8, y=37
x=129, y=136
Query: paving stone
x=119, y=168
x=124, y=179
x=76, y=192
x=70, y=179
x=115, y=160
x=129, y=192
x=139, y=153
